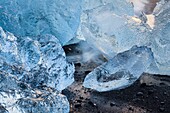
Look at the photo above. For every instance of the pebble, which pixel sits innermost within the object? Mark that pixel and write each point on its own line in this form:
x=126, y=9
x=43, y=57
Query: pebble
x=78, y=106
x=161, y=109
x=91, y=103
x=112, y=104
x=150, y=92
x=79, y=101
x=143, y=85
x=139, y=94
x=162, y=103
x=131, y=109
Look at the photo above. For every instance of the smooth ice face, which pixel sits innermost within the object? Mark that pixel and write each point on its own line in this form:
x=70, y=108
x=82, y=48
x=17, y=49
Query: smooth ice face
x=36, y=17
x=37, y=62
x=160, y=42
x=111, y=28
x=121, y=71
x=18, y=97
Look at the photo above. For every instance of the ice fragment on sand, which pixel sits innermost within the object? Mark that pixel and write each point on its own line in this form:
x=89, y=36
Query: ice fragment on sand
x=121, y=71
x=111, y=27
x=39, y=62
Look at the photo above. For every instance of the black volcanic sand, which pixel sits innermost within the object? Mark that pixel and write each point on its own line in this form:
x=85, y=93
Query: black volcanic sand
x=141, y=97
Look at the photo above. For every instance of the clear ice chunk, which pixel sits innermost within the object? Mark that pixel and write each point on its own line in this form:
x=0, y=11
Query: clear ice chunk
x=121, y=71
x=36, y=17
x=38, y=62
x=111, y=28
x=18, y=97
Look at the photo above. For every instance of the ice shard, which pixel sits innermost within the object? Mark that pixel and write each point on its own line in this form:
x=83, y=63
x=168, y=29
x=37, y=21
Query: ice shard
x=36, y=17
x=18, y=97
x=38, y=62
x=121, y=71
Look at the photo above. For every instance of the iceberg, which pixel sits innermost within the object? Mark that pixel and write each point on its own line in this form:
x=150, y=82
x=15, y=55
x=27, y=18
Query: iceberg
x=60, y=18
x=121, y=71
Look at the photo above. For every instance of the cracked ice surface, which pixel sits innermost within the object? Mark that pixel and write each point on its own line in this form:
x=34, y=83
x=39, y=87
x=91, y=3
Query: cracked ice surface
x=36, y=17
x=18, y=97
x=33, y=73
x=121, y=71
x=38, y=62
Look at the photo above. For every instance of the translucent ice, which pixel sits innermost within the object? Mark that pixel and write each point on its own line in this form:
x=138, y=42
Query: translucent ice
x=111, y=28
x=36, y=17
x=38, y=62
x=121, y=71
x=48, y=103
x=33, y=72
x=18, y=97
x=160, y=41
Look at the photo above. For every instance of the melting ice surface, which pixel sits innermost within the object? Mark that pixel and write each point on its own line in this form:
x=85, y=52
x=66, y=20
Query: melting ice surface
x=18, y=97
x=121, y=71
x=109, y=26
x=38, y=62
x=28, y=66
x=36, y=17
